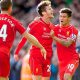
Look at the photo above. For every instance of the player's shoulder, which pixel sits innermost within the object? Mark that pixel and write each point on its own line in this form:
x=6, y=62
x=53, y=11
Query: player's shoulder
x=13, y=18
x=8, y=17
x=74, y=27
x=57, y=26
x=5, y=16
x=35, y=23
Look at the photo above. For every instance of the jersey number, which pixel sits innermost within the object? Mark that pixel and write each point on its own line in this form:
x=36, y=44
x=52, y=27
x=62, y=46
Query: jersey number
x=3, y=33
x=71, y=67
x=49, y=68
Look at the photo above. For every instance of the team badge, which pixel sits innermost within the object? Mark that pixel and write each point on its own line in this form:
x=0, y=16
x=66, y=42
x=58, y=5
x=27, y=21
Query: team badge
x=68, y=33
x=36, y=70
x=44, y=29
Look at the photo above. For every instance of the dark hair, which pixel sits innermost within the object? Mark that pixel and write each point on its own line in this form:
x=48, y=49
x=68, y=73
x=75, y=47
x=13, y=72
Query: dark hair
x=5, y=4
x=67, y=11
x=41, y=6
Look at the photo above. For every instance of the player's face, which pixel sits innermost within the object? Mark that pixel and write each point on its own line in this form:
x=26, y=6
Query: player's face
x=49, y=12
x=64, y=19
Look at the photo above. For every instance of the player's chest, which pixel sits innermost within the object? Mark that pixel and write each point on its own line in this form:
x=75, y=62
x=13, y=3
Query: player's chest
x=45, y=31
x=64, y=33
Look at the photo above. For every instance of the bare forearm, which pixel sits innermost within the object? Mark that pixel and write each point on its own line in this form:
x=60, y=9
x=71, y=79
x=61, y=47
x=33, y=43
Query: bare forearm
x=62, y=41
x=32, y=40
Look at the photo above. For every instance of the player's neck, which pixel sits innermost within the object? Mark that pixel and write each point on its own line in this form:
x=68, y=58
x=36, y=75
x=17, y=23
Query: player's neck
x=46, y=20
x=65, y=25
x=4, y=12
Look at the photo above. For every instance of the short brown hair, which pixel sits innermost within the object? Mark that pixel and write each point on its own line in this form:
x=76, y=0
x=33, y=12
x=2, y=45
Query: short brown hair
x=5, y=4
x=67, y=11
x=41, y=6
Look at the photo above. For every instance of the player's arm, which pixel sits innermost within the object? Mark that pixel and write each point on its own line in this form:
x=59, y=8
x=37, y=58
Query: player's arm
x=34, y=42
x=18, y=48
x=30, y=38
x=20, y=45
x=66, y=42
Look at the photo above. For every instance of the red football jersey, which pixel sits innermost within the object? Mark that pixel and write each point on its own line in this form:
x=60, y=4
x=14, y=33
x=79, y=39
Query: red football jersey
x=41, y=31
x=65, y=54
x=8, y=28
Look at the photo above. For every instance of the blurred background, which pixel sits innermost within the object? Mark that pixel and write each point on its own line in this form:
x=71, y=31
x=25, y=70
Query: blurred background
x=25, y=12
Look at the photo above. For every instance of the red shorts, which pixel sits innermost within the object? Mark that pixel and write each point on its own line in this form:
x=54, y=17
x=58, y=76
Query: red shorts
x=40, y=66
x=4, y=65
x=68, y=68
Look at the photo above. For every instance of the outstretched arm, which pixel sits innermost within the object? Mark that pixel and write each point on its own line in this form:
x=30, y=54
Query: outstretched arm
x=33, y=41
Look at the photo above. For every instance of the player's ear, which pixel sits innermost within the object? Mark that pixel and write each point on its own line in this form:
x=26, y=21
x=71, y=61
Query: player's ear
x=69, y=18
x=43, y=13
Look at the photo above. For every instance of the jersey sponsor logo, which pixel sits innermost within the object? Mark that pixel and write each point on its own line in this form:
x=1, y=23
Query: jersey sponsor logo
x=46, y=35
x=62, y=36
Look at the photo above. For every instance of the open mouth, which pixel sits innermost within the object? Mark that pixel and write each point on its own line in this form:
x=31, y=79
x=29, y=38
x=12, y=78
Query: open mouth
x=61, y=21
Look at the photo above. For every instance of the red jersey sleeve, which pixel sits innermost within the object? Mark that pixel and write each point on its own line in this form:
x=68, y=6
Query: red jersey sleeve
x=74, y=34
x=20, y=45
x=33, y=27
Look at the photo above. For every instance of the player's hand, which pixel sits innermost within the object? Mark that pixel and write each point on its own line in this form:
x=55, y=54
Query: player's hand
x=52, y=33
x=16, y=57
x=43, y=52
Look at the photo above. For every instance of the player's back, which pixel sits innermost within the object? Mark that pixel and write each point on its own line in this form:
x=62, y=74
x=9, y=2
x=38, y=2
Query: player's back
x=7, y=33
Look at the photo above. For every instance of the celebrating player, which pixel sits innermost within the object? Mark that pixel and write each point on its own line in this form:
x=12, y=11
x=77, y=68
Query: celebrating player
x=65, y=36
x=8, y=28
x=40, y=28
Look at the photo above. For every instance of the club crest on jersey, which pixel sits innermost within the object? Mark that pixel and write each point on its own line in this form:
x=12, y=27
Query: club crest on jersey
x=36, y=70
x=68, y=33
x=44, y=29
